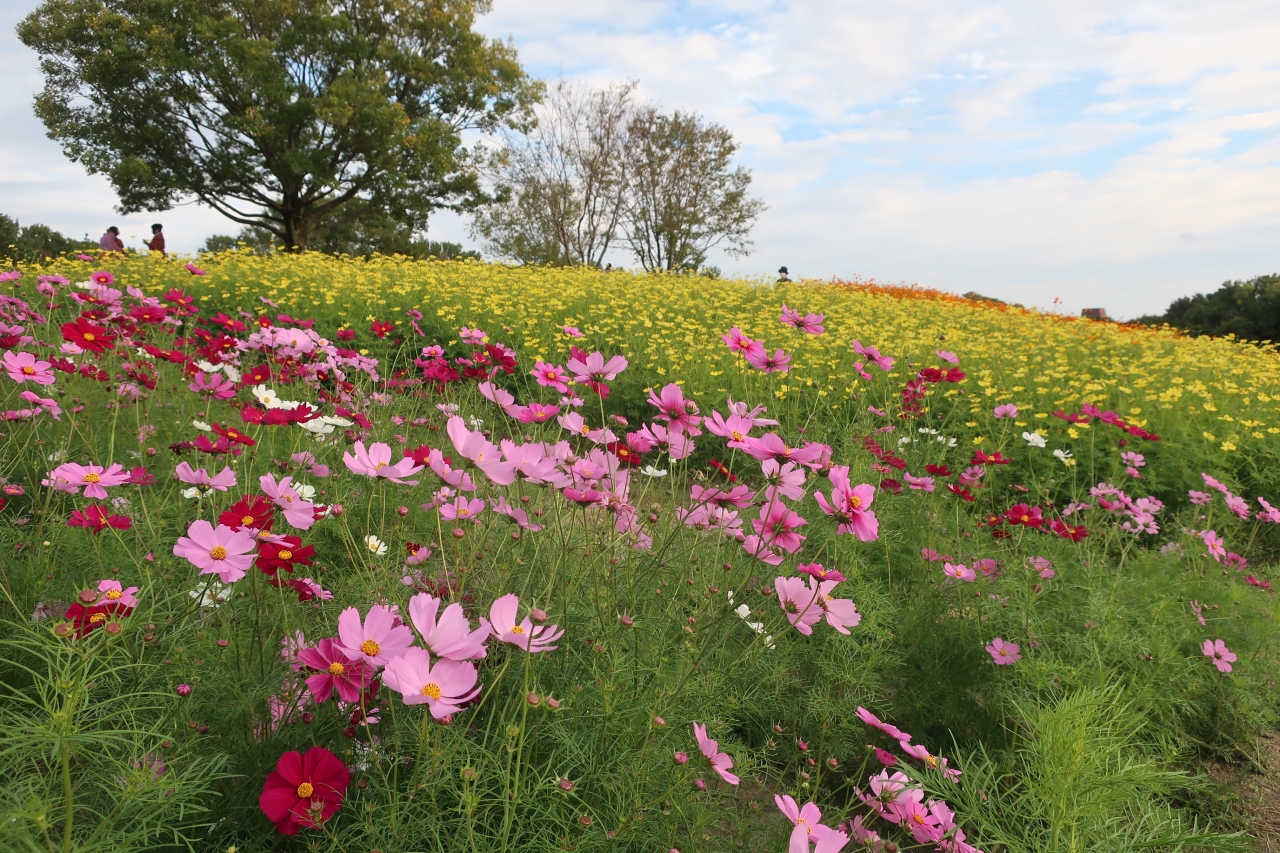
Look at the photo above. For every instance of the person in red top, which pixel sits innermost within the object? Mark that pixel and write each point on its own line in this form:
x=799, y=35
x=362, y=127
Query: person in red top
x=110, y=240
x=156, y=243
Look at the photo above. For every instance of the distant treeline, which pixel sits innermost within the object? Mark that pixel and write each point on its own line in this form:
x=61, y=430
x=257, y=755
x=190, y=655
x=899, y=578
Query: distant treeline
x=1250, y=310
x=35, y=243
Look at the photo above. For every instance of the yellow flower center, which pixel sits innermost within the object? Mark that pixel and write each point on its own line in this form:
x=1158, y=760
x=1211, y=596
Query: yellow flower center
x=1025, y=517
x=855, y=502
x=918, y=818
x=92, y=478
x=96, y=618
x=737, y=436
x=462, y=510
x=113, y=594
x=586, y=429
x=218, y=552
x=248, y=519
x=29, y=370
x=336, y=668
x=517, y=630
x=380, y=466
x=305, y=790
x=370, y=647
x=285, y=554
x=88, y=336
x=931, y=760
x=431, y=690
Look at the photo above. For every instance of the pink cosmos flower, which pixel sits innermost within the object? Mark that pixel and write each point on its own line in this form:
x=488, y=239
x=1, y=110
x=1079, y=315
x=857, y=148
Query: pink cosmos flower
x=1007, y=410
x=930, y=555
x=758, y=548
x=213, y=384
x=785, y=480
x=680, y=414
x=959, y=572
x=779, y=362
x=334, y=671
x=447, y=634
x=297, y=512
x=112, y=592
x=1199, y=498
x=739, y=343
x=849, y=505
x=1221, y=655
x=945, y=355
x=800, y=602
x=474, y=447
x=1268, y=513
x=841, y=613
x=25, y=367
x=924, y=484
x=1004, y=653
x=1198, y=610
x=217, y=550
x=1041, y=565
x=572, y=331
x=220, y=482
x=503, y=626
x=771, y=446
x=377, y=640
x=873, y=356
x=462, y=508
x=534, y=413
x=376, y=462
x=502, y=506
x=98, y=517
x=94, y=479
x=308, y=461
x=811, y=323
x=735, y=428
x=550, y=376
x=503, y=398
x=807, y=821
x=720, y=762
x=594, y=368
x=777, y=526
x=872, y=720
x=1214, y=543
x=444, y=688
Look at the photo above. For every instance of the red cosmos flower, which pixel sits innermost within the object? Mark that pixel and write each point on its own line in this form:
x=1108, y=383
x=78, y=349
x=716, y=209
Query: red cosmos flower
x=234, y=435
x=87, y=336
x=382, y=328
x=955, y=374
x=222, y=445
x=1071, y=418
x=1030, y=516
x=420, y=455
x=256, y=512
x=962, y=493
x=87, y=618
x=256, y=376
x=1066, y=531
x=723, y=469
x=252, y=414
x=891, y=485
x=182, y=301
x=997, y=458
x=502, y=357
x=97, y=518
x=624, y=453
x=938, y=470
x=304, y=790
x=149, y=313
x=930, y=374
x=345, y=334
x=273, y=556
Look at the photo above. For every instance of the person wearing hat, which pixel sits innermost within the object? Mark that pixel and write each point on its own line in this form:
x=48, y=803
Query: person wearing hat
x=156, y=244
x=110, y=240
x=782, y=275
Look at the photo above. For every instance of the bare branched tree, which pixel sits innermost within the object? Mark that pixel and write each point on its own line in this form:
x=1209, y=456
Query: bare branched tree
x=562, y=187
x=684, y=196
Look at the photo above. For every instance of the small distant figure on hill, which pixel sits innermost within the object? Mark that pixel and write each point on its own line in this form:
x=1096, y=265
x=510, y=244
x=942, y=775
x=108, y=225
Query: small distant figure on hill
x=783, y=275
x=156, y=243
x=608, y=267
x=110, y=240
x=1094, y=313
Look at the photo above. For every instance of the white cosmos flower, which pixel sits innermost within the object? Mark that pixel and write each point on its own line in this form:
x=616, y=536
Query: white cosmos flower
x=476, y=423
x=266, y=396
x=375, y=545
x=1064, y=455
x=1034, y=439
x=325, y=424
x=743, y=611
x=208, y=366
x=202, y=426
x=210, y=594
x=650, y=471
x=232, y=373
x=305, y=491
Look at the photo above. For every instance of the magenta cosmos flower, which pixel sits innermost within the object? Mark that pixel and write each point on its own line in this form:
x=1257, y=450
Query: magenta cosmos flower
x=1004, y=653
x=25, y=367
x=94, y=479
x=551, y=376
x=447, y=633
x=304, y=790
x=807, y=820
x=443, y=687
x=720, y=762
x=800, y=602
x=375, y=461
x=217, y=550
x=840, y=613
x=334, y=671
x=873, y=356
x=680, y=413
x=849, y=505
x=779, y=362
x=777, y=526
x=811, y=323
x=739, y=343
x=875, y=722
x=375, y=641
x=503, y=625
x=1222, y=656
x=594, y=368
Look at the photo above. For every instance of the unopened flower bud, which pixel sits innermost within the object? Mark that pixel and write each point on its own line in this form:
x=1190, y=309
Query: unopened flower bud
x=585, y=820
x=336, y=510
x=204, y=730
x=537, y=616
x=777, y=729
x=699, y=784
x=183, y=690
x=88, y=596
x=564, y=785
x=402, y=511
x=802, y=746
x=458, y=533
x=553, y=703
x=222, y=644
x=681, y=758
x=659, y=722
x=533, y=699
x=112, y=628
x=468, y=773
x=811, y=762
x=626, y=620
x=832, y=763
x=308, y=717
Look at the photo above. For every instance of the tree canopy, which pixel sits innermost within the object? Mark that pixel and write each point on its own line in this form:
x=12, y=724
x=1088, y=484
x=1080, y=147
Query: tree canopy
x=293, y=116
x=1250, y=310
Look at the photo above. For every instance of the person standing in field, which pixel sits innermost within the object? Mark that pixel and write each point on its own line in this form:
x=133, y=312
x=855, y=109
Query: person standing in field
x=110, y=240
x=782, y=275
x=156, y=244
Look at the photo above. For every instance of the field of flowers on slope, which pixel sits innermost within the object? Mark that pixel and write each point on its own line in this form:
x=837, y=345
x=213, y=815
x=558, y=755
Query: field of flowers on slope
x=399, y=556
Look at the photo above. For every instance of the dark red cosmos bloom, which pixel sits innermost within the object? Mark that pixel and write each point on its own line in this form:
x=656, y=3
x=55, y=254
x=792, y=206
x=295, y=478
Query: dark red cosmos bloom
x=624, y=453
x=233, y=434
x=87, y=336
x=960, y=492
x=181, y=301
x=997, y=458
x=382, y=328
x=502, y=357
x=256, y=376
x=152, y=314
x=360, y=419
x=891, y=485
x=1023, y=514
x=264, y=322
x=87, y=618
x=273, y=556
x=227, y=322
x=252, y=414
x=256, y=512
x=1071, y=418
x=930, y=374
x=722, y=468
x=419, y=454
x=140, y=476
x=298, y=415
x=221, y=446
x=955, y=374
x=346, y=334
x=98, y=517
x=1066, y=531
x=304, y=790
x=938, y=470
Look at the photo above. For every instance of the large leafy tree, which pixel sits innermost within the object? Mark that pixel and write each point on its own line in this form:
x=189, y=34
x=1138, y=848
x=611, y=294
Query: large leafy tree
x=1250, y=310
x=294, y=116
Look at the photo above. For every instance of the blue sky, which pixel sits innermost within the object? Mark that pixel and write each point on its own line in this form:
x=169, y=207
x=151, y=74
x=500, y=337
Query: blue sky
x=1092, y=153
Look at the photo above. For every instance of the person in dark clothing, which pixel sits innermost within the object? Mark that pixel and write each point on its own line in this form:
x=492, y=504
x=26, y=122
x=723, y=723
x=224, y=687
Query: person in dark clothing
x=782, y=275
x=156, y=243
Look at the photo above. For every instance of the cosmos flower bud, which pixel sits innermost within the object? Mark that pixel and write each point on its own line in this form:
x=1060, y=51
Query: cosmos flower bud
x=564, y=785
x=659, y=722
x=681, y=758
x=183, y=690
x=802, y=746
x=626, y=620
x=537, y=616
x=699, y=784
x=533, y=699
